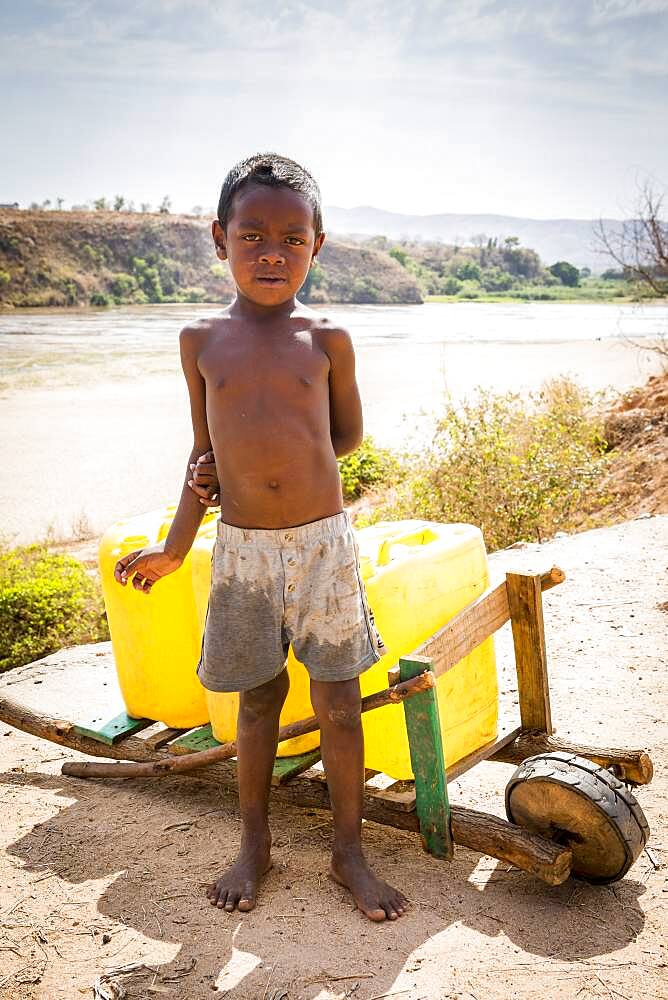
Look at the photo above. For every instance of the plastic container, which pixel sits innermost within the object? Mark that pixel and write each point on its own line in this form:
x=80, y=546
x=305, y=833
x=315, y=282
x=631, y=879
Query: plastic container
x=155, y=638
x=418, y=575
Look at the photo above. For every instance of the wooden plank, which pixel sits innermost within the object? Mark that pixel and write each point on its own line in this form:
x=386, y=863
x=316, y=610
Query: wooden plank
x=632, y=766
x=471, y=626
x=113, y=730
x=400, y=795
x=483, y=753
x=526, y=615
x=426, y=749
x=287, y=767
x=159, y=740
x=194, y=740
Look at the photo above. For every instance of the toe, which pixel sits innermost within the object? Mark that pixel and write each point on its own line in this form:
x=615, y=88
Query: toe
x=247, y=900
x=377, y=914
x=231, y=901
x=222, y=897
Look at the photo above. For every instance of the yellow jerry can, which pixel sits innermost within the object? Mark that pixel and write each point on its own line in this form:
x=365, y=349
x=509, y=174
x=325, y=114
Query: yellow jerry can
x=418, y=575
x=155, y=637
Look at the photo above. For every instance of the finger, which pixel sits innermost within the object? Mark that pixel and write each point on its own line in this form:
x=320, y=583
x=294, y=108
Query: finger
x=201, y=491
x=120, y=569
x=204, y=475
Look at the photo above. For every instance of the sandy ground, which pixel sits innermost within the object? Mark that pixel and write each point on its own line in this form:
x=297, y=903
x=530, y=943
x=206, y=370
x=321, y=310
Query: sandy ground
x=97, y=876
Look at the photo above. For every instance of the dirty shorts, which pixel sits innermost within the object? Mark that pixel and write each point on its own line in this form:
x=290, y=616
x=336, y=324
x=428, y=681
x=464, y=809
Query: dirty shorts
x=272, y=587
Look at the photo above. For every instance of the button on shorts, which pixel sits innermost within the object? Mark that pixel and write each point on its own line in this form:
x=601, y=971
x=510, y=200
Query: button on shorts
x=274, y=587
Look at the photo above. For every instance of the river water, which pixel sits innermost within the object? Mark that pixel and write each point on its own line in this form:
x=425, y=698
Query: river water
x=94, y=410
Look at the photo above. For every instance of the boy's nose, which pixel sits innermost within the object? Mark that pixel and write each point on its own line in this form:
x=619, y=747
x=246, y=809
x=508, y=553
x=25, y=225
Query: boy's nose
x=272, y=257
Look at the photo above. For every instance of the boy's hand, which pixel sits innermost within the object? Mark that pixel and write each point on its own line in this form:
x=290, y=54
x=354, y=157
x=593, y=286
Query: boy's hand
x=148, y=565
x=204, y=480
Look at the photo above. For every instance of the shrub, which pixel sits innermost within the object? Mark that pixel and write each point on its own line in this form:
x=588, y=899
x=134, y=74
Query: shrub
x=194, y=294
x=365, y=467
x=99, y=299
x=46, y=602
x=516, y=468
x=5, y=277
x=450, y=286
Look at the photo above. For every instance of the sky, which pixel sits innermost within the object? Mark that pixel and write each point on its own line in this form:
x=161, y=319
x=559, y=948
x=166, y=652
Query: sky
x=530, y=108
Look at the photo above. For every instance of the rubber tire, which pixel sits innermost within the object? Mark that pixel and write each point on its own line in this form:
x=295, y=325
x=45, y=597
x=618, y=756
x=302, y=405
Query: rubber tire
x=605, y=792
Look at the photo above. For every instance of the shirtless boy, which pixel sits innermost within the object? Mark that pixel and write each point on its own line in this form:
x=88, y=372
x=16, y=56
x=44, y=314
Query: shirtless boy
x=273, y=394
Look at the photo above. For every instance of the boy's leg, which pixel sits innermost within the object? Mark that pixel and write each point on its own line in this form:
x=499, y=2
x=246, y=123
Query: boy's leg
x=338, y=707
x=257, y=738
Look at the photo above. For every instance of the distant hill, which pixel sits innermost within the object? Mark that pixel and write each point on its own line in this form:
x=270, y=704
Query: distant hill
x=54, y=258
x=553, y=239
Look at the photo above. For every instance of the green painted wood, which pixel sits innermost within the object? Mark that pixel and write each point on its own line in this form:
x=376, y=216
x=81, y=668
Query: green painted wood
x=287, y=767
x=426, y=749
x=196, y=739
x=284, y=767
x=113, y=731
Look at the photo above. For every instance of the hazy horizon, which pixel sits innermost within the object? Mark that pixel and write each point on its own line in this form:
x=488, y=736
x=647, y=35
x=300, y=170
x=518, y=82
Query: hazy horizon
x=539, y=111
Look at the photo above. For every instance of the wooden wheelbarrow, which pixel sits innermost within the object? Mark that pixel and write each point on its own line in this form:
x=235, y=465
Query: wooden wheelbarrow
x=569, y=807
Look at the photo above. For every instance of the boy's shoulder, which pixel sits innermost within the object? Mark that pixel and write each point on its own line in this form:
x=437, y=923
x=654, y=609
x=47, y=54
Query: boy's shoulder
x=327, y=331
x=196, y=329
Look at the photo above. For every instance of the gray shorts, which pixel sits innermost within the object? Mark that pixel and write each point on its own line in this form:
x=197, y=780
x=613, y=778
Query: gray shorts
x=274, y=587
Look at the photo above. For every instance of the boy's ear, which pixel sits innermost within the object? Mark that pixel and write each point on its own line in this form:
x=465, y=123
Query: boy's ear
x=218, y=234
x=319, y=240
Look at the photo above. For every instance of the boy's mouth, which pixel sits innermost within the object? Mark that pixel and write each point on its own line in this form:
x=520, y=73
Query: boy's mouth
x=271, y=279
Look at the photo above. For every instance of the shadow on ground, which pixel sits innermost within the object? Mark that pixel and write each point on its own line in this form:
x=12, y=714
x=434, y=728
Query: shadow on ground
x=165, y=841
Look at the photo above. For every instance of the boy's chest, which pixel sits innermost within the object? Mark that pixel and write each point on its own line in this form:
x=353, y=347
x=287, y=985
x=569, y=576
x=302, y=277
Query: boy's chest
x=230, y=366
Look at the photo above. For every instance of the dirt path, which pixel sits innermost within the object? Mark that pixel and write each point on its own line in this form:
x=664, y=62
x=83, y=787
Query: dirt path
x=98, y=876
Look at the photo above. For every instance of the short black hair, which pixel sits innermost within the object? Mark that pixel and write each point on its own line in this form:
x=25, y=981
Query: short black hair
x=274, y=171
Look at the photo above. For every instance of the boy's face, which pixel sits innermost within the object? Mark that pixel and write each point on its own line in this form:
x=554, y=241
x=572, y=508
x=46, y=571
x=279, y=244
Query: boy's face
x=269, y=242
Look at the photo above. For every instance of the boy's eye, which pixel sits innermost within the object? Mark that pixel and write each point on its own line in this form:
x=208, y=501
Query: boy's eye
x=295, y=241
x=251, y=237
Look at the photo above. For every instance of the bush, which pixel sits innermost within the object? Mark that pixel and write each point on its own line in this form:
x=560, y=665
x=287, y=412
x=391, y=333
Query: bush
x=99, y=299
x=46, y=602
x=5, y=277
x=518, y=469
x=450, y=286
x=367, y=466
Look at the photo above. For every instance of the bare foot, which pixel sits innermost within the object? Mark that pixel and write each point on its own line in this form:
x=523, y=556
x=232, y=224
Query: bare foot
x=237, y=886
x=378, y=900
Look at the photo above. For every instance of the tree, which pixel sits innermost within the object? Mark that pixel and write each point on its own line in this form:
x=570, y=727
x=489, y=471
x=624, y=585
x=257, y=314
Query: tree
x=567, y=273
x=144, y=207
x=119, y=203
x=59, y=204
x=399, y=255
x=640, y=249
x=640, y=246
x=165, y=205
x=100, y=205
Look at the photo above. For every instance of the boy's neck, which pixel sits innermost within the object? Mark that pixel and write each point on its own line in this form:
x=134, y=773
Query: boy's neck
x=255, y=311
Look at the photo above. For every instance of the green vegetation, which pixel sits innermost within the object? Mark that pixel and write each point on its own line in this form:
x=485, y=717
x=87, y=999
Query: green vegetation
x=365, y=468
x=493, y=270
x=519, y=469
x=46, y=602
x=119, y=256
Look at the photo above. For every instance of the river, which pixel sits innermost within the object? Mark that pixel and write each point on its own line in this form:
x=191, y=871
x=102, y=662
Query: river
x=94, y=410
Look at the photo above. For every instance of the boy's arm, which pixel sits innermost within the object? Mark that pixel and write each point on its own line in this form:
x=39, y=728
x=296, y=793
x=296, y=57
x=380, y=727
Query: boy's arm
x=345, y=407
x=190, y=511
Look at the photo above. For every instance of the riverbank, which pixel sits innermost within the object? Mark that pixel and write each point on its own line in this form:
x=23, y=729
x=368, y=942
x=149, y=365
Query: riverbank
x=82, y=898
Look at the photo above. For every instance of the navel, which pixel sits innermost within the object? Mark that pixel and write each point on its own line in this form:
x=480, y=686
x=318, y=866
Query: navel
x=272, y=484
x=304, y=380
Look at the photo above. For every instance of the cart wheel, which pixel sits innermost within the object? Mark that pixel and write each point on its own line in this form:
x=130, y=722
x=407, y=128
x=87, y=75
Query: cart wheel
x=580, y=805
